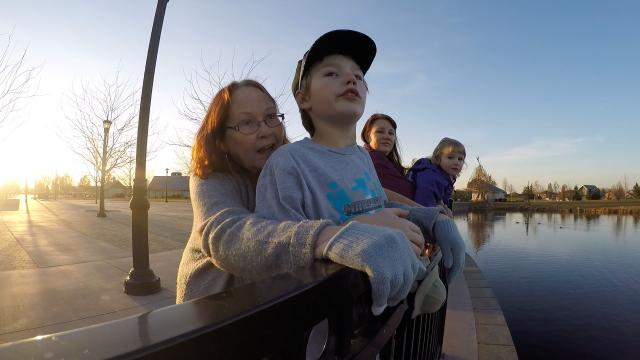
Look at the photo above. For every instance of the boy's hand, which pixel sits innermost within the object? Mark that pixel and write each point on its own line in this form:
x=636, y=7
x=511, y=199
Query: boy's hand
x=383, y=255
x=396, y=219
x=443, y=231
x=445, y=209
x=452, y=245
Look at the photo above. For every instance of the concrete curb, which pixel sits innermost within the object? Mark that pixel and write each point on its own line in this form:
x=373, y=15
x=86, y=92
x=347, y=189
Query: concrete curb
x=476, y=327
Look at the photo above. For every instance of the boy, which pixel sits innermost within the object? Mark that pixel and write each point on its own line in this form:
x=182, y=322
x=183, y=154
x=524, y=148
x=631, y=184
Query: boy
x=330, y=177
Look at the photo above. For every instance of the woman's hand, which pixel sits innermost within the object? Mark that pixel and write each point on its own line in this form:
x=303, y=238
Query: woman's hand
x=396, y=219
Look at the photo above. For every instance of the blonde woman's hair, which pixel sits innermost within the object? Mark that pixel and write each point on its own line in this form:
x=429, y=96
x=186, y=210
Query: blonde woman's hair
x=445, y=144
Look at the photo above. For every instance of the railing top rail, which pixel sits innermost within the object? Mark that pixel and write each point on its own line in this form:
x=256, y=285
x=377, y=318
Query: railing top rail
x=268, y=318
x=135, y=335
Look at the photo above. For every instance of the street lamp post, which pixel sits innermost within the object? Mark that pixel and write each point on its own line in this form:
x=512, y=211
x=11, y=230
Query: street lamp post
x=141, y=279
x=106, y=124
x=166, y=180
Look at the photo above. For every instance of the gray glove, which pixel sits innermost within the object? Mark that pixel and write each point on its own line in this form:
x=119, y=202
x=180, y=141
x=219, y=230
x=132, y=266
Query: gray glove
x=452, y=245
x=442, y=232
x=384, y=255
x=425, y=218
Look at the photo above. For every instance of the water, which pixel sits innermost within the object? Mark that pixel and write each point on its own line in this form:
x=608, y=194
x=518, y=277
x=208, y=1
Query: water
x=569, y=285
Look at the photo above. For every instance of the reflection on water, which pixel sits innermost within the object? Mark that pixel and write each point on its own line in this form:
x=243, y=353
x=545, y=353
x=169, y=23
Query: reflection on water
x=480, y=225
x=569, y=284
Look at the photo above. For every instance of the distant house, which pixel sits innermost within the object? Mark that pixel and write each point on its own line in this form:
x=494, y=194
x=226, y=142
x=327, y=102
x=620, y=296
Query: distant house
x=115, y=189
x=176, y=185
x=549, y=195
x=590, y=192
x=481, y=191
x=514, y=196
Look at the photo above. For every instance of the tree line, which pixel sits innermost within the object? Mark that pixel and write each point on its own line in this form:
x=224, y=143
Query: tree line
x=482, y=182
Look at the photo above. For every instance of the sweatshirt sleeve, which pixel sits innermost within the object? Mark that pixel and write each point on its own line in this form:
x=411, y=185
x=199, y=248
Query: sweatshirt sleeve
x=242, y=243
x=426, y=189
x=280, y=189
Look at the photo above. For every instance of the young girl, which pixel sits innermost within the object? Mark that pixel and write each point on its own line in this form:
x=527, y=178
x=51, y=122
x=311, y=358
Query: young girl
x=434, y=178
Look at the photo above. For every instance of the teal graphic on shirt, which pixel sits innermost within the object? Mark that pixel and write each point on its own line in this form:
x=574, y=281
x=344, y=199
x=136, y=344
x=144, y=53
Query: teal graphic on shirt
x=360, y=197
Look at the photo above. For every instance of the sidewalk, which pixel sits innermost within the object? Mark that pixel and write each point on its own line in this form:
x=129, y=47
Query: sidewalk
x=63, y=268
x=476, y=327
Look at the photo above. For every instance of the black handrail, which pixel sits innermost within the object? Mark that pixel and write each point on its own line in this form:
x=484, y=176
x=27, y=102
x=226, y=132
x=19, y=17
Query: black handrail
x=271, y=318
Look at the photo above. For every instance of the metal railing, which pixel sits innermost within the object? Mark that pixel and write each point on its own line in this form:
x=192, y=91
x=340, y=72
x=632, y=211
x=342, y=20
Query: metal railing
x=321, y=312
x=419, y=338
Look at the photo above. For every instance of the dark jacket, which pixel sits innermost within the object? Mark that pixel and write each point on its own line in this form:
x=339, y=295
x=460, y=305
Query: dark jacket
x=391, y=177
x=432, y=184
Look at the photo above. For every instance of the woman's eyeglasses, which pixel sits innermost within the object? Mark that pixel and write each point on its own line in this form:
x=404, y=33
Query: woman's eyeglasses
x=251, y=126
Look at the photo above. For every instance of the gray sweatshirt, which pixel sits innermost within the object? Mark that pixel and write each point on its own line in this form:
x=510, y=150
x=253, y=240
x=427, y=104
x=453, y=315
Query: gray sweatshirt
x=305, y=180
x=229, y=245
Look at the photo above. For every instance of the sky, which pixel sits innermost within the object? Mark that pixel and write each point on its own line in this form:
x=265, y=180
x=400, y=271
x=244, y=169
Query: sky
x=538, y=90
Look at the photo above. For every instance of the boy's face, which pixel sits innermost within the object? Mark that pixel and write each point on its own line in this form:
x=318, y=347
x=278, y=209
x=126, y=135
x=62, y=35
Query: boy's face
x=337, y=93
x=451, y=162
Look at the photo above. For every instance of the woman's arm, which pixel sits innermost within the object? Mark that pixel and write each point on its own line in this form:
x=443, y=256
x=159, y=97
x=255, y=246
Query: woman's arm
x=238, y=241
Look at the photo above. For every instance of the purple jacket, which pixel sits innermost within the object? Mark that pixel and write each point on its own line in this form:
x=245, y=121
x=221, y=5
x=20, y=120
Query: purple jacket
x=432, y=184
x=390, y=175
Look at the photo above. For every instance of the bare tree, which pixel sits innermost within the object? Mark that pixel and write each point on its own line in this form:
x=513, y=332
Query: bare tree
x=87, y=108
x=16, y=80
x=202, y=85
x=481, y=181
x=127, y=172
x=564, y=192
x=85, y=181
x=537, y=188
x=618, y=191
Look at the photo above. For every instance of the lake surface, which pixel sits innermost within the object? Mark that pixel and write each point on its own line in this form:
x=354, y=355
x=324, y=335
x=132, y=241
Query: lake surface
x=569, y=285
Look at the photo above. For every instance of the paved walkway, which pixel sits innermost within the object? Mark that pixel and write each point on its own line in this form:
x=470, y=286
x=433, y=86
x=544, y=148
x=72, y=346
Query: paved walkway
x=476, y=327
x=62, y=267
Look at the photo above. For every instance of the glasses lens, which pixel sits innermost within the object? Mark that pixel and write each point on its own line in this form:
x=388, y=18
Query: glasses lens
x=248, y=126
x=273, y=120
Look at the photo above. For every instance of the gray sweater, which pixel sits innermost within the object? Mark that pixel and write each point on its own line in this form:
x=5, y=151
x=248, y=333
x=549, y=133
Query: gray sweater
x=229, y=245
x=305, y=180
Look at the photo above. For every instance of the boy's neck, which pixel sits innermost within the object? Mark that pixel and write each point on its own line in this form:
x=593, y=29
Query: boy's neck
x=336, y=137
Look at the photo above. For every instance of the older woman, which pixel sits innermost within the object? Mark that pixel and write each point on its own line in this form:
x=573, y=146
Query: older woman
x=229, y=245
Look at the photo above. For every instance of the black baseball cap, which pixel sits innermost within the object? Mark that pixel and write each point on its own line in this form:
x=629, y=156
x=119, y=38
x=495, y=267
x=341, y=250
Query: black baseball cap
x=356, y=45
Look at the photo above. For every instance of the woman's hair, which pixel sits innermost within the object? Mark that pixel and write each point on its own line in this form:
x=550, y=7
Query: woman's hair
x=447, y=144
x=394, y=155
x=207, y=154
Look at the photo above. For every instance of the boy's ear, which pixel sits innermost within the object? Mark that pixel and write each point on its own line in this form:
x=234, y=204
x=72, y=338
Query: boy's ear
x=303, y=100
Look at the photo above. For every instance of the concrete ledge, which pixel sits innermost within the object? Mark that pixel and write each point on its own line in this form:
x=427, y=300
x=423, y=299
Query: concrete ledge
x=476, y=327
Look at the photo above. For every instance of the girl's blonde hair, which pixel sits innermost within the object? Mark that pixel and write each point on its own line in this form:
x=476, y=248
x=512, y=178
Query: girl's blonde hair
x=445, y=144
